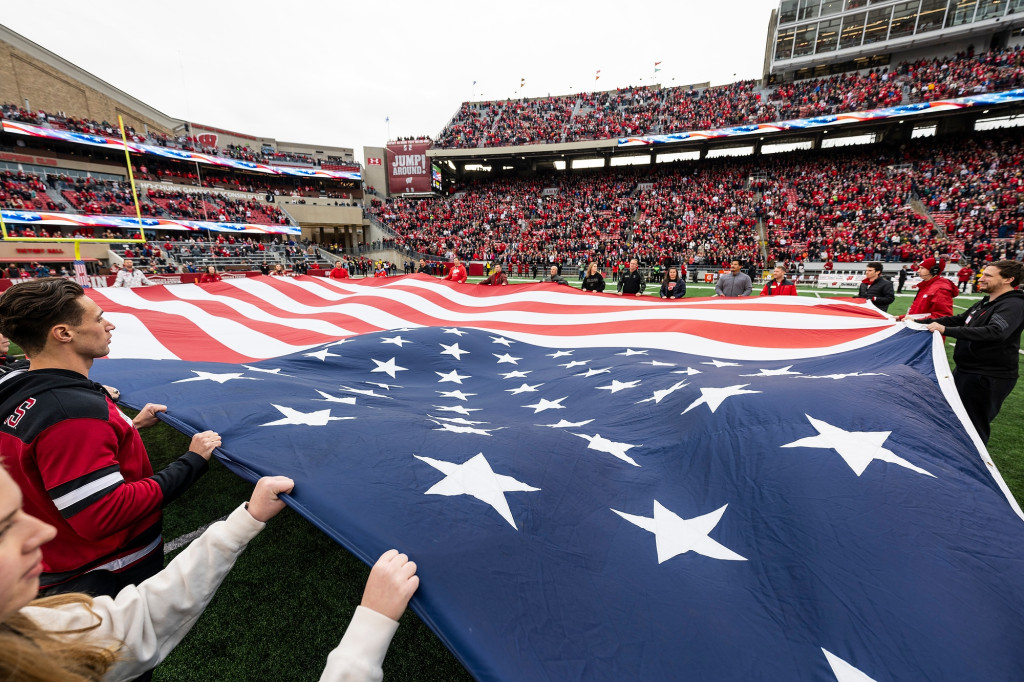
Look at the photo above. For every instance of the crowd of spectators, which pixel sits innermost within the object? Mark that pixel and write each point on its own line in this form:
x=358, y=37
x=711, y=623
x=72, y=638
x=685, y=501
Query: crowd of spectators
x=25, y=192
x=956, y=197
x=104, y=197
x=634, y=111
x=264, y=154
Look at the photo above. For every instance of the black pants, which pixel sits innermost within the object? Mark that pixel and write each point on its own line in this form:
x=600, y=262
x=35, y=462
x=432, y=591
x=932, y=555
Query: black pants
x=982, y=397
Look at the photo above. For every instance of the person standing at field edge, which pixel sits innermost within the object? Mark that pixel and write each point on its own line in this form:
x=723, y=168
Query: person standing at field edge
x=987, y=343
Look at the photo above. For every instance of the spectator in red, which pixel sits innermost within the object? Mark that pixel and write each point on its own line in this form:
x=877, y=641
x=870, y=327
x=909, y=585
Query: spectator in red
x=339, y=271
x=963, y=276
x=458, y=272
x=778, y=285
x=211, y=275
x=935, y=293
x=497, y=277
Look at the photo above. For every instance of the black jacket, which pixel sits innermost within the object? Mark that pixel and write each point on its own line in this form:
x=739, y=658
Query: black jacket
x=878, y=292
x=631, y=282
x=988, y=336
x=593, y=282
x=678, y=289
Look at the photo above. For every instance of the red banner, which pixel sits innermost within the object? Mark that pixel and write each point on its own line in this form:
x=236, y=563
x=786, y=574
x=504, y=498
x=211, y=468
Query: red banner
x=408, y=167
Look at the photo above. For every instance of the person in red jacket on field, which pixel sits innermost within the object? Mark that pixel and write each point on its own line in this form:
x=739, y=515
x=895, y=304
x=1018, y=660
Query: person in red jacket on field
x=211, y=275
x=778, y=285
x=963, y=277
x=457, y=273
x=339, y=271
x=935, y=293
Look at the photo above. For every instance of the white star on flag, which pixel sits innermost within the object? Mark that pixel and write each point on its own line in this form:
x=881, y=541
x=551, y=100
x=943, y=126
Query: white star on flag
x=452, y=376
x=457, y=394
x=714, y=397
x=456, y=331
x=663, y=393
x=338, y=342
x=322, y=355
x=720, y=363
x=386, y=387
x=674, y=535
x=689, y=371
x=397, y=340
x=461, y=425
x=515, y=375
x=857, y=448
x=458, y=409
x=219, y=378
x=364, y=391
x=525, y=388
x=601, y=444
x=454, y=351
x=843, y=376
x=785, y=371
x=617, y=385
x=630, y=352
x=294, y=417
x=476, y=478
x=276, y=370
x=593, y=372
x=565, y=424
x=506, y=358
x=658, y=363
x=502, y=340
x=546, y=404
x=559, y=354
x=843, y=671
x=388, y=367
x=328, y=398
x=575, y=363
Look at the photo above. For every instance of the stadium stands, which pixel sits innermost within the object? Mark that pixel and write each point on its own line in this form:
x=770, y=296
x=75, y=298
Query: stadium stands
x=649, y=110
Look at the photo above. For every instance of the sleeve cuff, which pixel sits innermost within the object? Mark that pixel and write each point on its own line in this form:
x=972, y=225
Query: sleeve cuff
x=367, y=637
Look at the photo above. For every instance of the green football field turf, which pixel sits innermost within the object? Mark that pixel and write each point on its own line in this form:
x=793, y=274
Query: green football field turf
x=286, y=603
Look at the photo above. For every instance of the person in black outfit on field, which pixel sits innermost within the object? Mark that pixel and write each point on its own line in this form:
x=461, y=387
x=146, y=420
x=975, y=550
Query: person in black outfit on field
x=987, y=343
x=876, y=288
x=593, y=280
x=631, y=282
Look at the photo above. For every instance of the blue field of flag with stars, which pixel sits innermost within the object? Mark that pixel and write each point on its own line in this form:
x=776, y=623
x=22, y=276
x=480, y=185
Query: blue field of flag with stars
x=624, y=512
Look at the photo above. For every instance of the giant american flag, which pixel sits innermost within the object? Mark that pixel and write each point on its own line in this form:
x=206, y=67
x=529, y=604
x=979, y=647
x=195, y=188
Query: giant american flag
x=598, y=487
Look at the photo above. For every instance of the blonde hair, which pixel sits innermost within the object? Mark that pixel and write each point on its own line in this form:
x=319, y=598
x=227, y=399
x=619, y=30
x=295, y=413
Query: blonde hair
x=32, y=654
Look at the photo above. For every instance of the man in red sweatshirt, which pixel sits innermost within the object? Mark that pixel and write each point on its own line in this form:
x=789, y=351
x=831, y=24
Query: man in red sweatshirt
x=78, y=459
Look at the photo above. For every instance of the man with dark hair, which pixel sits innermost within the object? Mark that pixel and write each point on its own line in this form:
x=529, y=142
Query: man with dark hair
x=902, y=279
x=735, y=282
x=631, y=282
x=778, y=285
x=987, y=343
x=876, y=288
x=497, y=276
x=79, y=460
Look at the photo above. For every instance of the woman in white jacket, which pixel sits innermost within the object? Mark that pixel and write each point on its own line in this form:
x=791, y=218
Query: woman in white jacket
x=75, y=637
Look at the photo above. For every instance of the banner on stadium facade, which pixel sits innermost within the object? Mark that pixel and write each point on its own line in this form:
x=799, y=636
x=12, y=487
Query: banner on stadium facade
x=408, y=167
x=987, y=99
x=46, y=219
x=19, y=128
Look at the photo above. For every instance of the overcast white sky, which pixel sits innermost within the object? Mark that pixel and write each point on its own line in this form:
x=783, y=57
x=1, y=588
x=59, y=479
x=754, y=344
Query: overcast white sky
x=331, y=72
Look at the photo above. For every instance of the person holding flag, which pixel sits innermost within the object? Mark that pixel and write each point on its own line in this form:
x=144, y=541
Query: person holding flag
x=457, y=273
x=778, y=285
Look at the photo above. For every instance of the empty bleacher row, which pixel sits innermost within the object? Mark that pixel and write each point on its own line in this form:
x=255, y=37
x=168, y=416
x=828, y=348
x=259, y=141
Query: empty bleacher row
x=650, y=110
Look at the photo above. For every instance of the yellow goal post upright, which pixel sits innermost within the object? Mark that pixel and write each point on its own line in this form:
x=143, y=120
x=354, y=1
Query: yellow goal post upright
x=80, y=275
